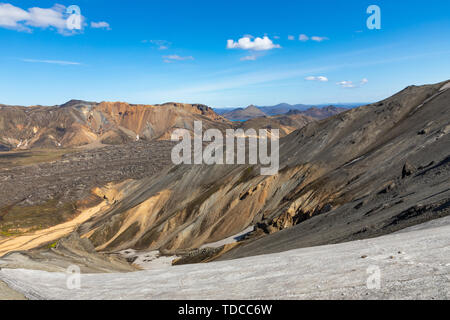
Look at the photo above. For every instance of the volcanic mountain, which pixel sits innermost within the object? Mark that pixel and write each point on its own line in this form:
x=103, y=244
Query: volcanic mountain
x=252, y=112
x=282, y=108
x=365, y=172
x=362, y=173
x=77, y=123
x=358, y=174
x=244, y=114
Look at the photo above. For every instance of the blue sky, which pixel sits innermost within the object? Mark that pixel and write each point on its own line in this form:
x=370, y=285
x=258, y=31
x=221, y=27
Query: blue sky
x=158, y=51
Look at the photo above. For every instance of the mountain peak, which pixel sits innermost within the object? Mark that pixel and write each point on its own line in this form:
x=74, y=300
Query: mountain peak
x=75, y=102
x=245, y=114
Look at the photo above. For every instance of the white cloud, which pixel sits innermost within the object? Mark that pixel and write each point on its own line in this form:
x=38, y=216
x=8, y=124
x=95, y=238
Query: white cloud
x=24, y=20
x=291, y=38
x=161, y=44
x=319, y=78
x=346, y=84
x=10, y=16
x=56, y=17
x=249, y=58
x=60, y=62
x=258, y=44
x=174, y=57
x=303, y=37
x=350, y=84
x=319, y=39
x=100, y=25
x=323, y=79
x=44, y=18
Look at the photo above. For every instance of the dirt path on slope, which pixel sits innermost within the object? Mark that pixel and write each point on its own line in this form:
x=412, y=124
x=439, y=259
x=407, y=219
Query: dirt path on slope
x=49, y=235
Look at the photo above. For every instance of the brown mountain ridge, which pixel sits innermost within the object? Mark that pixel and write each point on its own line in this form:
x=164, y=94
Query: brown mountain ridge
x=78, y=123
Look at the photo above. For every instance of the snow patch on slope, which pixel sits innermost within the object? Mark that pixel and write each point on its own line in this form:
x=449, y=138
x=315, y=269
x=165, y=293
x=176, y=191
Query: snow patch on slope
x=412, y=265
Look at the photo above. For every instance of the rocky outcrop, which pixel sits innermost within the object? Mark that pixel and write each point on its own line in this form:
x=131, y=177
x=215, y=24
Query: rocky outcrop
x=408, y=169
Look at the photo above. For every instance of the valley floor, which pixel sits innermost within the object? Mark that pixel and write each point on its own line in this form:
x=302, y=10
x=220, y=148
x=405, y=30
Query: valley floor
x=411, y=264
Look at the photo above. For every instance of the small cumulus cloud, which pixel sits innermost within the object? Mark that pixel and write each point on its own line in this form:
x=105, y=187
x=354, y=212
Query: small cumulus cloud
x=256, y=44
x=319, y=39
x=175, y=57
x=160, y=44
x=346, y=84
x=303, y=37
x=319, y=78
x=291, y=38
x=350, y=84
x=100, y=25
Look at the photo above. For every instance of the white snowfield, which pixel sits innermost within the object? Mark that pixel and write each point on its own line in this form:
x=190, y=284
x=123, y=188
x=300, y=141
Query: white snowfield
x=412, y=264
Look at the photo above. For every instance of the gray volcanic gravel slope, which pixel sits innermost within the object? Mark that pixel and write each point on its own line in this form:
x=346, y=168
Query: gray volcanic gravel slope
x=388, y=169
x=411, y=265
x=75, y=174
x=340, y=179
x=425, y=196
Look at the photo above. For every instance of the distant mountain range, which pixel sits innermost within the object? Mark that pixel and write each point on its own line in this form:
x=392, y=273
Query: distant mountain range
x=78, y=123
x=283, y=108
x=252, y=112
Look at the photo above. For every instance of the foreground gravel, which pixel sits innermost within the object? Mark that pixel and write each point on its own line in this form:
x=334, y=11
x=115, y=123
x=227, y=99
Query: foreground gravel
x=8, y=294
x=414, y=264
